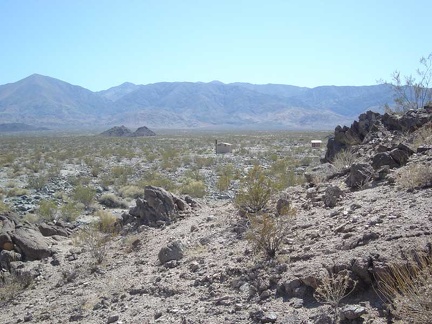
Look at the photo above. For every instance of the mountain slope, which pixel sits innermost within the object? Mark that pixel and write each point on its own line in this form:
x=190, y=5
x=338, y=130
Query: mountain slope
x=50, y=102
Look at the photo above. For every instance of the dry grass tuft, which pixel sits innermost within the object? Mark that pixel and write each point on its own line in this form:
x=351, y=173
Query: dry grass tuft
x=415, y=176
x=408, y=288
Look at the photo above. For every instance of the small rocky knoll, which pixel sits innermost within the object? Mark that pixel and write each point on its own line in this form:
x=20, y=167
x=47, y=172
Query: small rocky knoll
x=177, y=261
x=123, y=131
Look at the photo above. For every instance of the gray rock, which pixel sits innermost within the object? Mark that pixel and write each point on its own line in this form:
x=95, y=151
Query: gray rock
x=6, y=257
x=351, y=312
x=400, y=156
x=332, y=195
x=360, y=173
x=282, y=206
x=31, y=243
x=112, y=319
x=384, y=158
x=174, y=251
x=50, y=230
x=157, y=205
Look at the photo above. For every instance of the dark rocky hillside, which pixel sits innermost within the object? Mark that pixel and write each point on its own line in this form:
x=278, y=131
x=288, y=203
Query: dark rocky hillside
x=123, y=131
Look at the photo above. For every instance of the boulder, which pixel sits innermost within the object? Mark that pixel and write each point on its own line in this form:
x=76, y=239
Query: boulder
x=31, y=244
x=158, y=206
x=332, y=195
x=360, y=173
x=6, y=257
x=322, y=171
x=174, y=251
x=400, y=156
x=383, y=158
x=50, y=230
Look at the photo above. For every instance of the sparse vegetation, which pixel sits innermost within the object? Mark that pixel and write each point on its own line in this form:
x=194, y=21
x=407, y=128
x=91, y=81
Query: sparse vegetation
x=415, y=176
x=344, y=159
x=332, y=288
x=255, y=190
x=266, y=232
x=408, y=287
x=84, y=195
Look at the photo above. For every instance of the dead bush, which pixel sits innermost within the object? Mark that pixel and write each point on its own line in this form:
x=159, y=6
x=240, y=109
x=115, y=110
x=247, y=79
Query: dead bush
x=332, y=288
x=415, y=176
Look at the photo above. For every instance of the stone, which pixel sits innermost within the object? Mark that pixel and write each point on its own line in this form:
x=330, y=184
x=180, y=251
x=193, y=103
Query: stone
x=332, y=195
x=113, y=318
x=351, y=312
x=383, y=158
x=282, y=206
x=31, y=243
x=360, y=173
x=400, y=156
x=157, y=205
x=174, y=251
x=6, y=257
x=50, y=230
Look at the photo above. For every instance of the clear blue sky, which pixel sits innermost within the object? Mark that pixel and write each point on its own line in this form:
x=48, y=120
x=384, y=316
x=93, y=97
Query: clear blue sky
x=98, y=44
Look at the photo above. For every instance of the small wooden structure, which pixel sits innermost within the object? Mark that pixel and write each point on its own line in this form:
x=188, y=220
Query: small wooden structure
x=222, y=148
x=316, y=143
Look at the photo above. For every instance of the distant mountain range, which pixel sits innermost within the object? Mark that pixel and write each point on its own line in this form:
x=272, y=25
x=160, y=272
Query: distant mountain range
x=44, y=101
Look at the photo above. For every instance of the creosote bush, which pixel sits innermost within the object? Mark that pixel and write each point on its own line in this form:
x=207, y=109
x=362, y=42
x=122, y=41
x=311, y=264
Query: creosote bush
x=47, y=210
x=93, y=240
x=266, y=232
x=255, y=190
x=84, y=194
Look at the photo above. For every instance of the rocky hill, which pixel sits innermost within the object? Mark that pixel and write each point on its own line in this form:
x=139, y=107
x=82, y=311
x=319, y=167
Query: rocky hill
x=177, y=260
x=54, y=103
x=123, y=131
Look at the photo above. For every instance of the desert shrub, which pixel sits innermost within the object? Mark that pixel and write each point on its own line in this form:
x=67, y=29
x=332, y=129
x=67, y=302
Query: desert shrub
x=415, y=176
x=223, y=183
x=106, y=222
x=111, y=201
x=267, y=232
x=255, y=190
x=193, y=188
x=47, y=210
x=408, y=287
x=17, y=192
x=37, y=182
x=423, y=136
x=4, y=207
x=332, y=288
x=13, y=284
x=344, y=159
x=131, y=191
x=70, y=211
x=158, y=180
x=121, y=174
x=93, y=240
x=84, y=194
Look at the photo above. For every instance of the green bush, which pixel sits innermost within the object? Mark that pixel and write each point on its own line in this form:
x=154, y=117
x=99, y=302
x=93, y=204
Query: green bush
x=70, y=211
x=47, y=210
x=255, y=190
x=111, y=201
x=193, y=188
x=84, y=195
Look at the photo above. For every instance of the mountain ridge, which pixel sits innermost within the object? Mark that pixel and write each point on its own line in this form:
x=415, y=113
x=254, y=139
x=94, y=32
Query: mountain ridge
x=50, y=102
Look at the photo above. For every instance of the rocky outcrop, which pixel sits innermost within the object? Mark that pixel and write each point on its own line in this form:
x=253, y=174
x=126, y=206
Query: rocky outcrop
x=31, y=244
x=143, y=131
x=26, y=240
x=122, y=131
x=117, y=131
x=159, y=207
x=376, y=130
